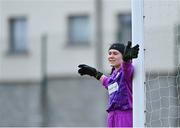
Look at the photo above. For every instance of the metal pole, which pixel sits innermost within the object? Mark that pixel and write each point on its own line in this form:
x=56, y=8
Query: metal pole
x=99, y=45
x=139, y=76
x=44, y=82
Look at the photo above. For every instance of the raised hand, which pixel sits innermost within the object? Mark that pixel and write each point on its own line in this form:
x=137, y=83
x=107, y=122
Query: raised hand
x=130, y=52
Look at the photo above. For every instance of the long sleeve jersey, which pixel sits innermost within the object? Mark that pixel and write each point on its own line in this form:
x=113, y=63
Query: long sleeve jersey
x=119, y=86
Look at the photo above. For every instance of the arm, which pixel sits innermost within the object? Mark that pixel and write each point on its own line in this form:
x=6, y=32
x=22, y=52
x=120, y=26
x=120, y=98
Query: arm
x=104, y=81
x=87, y=70
x=128, y=69
x=129, y=54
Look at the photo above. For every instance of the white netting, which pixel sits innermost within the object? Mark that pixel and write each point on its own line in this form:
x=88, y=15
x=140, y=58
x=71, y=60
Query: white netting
x=162, y=62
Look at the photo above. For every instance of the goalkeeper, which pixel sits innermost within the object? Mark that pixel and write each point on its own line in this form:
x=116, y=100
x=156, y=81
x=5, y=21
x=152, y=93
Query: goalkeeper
x=118, y=84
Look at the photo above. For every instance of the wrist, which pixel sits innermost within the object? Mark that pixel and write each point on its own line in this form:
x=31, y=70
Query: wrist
x=98, y=75
x=126, y=59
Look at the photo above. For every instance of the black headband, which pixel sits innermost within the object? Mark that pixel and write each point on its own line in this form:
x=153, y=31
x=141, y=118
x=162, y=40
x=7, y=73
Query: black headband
x=118, y=46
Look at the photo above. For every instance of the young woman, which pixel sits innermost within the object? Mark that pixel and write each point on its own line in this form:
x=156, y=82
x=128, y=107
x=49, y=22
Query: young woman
x=118, y=84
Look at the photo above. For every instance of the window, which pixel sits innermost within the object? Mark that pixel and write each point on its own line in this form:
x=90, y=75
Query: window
x=124, y=28
x=18, y=35
x=78, y=32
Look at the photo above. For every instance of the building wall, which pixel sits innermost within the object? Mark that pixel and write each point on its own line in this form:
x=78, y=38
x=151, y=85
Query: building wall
x=68, y=102
x=67, y=94
x=161, y=37
x=79, y=102
x=45, y=18
x=160, y=24
x=20, y=105
x=67, y=99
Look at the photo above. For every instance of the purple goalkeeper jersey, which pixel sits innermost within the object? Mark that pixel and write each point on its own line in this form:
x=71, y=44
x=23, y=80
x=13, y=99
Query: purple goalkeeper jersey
x=119, y=85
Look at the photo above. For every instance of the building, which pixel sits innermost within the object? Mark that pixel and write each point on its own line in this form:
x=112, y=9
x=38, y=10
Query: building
x=43, y=41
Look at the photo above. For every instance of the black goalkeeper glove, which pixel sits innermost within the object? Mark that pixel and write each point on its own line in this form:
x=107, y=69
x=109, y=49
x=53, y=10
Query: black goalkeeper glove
x=87, y=70
x=130, y=52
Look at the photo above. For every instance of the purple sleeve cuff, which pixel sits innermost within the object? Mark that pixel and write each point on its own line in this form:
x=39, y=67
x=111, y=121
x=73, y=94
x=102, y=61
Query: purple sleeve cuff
x=105, y=82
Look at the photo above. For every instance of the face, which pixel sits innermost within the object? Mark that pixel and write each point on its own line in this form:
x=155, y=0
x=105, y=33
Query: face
x=115, y=58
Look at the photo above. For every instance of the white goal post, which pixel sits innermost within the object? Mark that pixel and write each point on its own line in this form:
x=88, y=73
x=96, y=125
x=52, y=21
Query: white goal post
x=139, y=76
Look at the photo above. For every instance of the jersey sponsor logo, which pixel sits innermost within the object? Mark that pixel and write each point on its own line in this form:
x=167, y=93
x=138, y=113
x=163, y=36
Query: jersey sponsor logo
x=112, y=88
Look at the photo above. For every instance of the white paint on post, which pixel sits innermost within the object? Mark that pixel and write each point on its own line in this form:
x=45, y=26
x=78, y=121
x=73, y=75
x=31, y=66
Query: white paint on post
x=139, y=76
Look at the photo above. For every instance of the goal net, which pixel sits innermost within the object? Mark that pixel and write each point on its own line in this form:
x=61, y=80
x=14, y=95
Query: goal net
x=162, y=63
